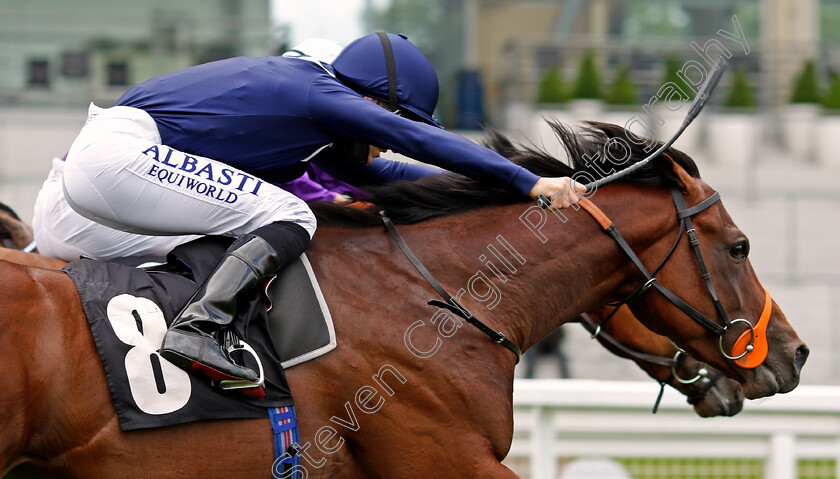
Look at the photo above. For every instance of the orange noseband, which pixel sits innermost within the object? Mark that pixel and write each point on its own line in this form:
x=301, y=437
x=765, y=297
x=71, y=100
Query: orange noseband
x=752, y=344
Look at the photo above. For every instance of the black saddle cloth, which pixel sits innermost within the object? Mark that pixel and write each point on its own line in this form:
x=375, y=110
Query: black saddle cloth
x=129, y=309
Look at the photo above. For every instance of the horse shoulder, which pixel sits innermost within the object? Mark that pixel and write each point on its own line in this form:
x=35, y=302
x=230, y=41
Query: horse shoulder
x=21, y=283
x=376, y=297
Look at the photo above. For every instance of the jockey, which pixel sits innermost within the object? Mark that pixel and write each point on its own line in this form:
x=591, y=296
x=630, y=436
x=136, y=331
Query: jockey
x=200, y=152
x=315, y=185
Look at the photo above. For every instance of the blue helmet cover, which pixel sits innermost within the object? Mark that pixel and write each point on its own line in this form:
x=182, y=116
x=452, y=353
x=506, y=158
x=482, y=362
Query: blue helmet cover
x=362, y=66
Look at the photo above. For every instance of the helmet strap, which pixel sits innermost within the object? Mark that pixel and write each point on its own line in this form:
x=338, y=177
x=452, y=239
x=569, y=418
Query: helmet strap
x=393, y=99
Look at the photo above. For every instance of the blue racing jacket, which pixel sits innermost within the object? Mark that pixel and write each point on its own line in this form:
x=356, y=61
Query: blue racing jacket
x=266, y=115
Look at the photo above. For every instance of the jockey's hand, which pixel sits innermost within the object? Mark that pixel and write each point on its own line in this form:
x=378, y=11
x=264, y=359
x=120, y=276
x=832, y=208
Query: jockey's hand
x=341, y=199
x=563, y=192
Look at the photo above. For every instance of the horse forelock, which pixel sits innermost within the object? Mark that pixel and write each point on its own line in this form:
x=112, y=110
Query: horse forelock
x=597, y=150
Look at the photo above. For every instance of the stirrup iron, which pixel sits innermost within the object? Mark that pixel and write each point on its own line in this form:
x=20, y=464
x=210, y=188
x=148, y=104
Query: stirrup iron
x=234, y=384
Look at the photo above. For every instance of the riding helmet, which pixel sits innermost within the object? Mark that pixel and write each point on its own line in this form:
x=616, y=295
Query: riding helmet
x=363, y=66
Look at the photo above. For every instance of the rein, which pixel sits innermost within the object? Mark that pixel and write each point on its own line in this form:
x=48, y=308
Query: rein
x=631, y=353
x=673, y=363
x=750, y=349
x=450, y=304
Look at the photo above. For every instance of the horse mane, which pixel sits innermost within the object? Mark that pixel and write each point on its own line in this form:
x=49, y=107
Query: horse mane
x=449, y=193
x=6, y=208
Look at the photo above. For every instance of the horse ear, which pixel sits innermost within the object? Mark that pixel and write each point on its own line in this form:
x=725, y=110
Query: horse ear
x=688, y=184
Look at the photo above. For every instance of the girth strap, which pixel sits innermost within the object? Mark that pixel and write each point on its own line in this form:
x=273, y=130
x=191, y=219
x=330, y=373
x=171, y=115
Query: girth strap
x=450, y=304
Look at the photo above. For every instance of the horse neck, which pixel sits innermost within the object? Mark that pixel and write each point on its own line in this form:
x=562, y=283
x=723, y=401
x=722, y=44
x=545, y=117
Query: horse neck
x=577, y=268
x=599, y=272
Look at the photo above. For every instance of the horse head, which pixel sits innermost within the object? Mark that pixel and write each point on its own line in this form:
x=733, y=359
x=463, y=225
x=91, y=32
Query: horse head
x=719, y=312
x=673, y=254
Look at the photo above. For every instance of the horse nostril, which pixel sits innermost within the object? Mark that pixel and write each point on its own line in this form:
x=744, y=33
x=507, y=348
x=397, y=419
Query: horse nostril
x=800, y=356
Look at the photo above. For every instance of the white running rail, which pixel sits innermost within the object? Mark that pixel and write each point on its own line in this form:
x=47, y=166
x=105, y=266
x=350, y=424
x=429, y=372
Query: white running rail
x=581, y=418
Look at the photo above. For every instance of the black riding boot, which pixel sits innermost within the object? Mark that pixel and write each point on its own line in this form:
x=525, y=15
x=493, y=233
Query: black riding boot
x=193, y=340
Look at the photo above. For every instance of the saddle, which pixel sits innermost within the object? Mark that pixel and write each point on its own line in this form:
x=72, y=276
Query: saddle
x=129, y=304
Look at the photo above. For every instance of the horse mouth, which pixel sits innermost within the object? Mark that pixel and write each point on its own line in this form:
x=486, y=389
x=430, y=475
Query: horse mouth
x=776, y=376
x=733, y=403
x=767, y=381
x=726, y=401
x=764, y=383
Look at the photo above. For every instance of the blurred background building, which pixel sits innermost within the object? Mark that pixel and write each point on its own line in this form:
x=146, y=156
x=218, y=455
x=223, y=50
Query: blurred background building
x=70, y=53
x=769, y=141
x=57, y=57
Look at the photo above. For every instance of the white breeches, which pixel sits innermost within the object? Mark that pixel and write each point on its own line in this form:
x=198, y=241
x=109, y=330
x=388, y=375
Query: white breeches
x=144, y=197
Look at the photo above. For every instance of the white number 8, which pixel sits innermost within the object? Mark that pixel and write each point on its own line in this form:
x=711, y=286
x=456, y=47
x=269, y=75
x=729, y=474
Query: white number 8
x=139, y=322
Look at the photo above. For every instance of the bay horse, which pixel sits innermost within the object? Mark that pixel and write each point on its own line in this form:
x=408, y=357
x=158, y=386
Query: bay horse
x=708, y=391
x=401, y=396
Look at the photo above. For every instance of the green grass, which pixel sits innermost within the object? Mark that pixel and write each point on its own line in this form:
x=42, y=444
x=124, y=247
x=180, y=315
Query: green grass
x=694, y=468
x=654, y=468
x=817, y=469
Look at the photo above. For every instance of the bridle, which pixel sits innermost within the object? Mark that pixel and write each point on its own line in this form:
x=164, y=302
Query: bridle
x=750, y=349
x=672, y=363
x=596, y=332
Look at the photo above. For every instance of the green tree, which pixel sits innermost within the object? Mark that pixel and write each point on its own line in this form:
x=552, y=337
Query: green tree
x=551, y=88
x=741, y=93
x=805, y=88
x=831, y=100
x=588, y=82
x=673, y=64
x=623, y=90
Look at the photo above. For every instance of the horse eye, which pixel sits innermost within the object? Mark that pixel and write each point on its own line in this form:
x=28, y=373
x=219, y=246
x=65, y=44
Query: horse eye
x=739, y=250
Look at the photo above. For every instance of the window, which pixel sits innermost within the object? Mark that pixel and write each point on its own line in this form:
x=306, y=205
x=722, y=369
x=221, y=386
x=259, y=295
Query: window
x=74, y=64
x=39, y=73
x=117, y=74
